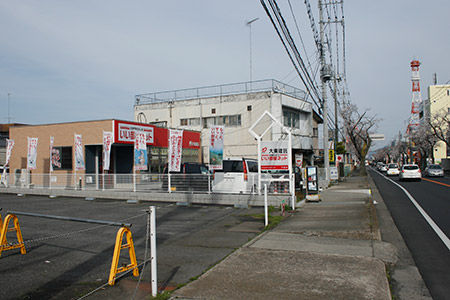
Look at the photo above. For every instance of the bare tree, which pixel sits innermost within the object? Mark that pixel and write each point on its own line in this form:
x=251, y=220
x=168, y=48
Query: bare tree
x=358, y=127
x=424, y=139
x=439, y=123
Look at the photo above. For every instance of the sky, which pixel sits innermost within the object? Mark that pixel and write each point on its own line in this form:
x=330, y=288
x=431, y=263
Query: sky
x=64, y=61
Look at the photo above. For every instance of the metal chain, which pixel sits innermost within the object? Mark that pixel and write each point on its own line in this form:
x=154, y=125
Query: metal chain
x=147, y=237
x=68, y=233
x=116, y=278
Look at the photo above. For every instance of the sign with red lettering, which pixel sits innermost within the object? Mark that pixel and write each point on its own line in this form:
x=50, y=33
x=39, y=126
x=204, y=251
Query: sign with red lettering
x=107, y=142
x=126, y=133
x=216, y=148
x=175, y=148
x=79, y=154
x=274, y=155
x=32, y=153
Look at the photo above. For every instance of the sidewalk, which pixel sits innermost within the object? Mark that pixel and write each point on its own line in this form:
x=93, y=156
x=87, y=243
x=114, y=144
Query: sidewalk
x=326, y=250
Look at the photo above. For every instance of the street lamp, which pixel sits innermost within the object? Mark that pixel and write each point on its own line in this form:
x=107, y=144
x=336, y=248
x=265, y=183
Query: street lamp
x=9, y=113
x=249, y=24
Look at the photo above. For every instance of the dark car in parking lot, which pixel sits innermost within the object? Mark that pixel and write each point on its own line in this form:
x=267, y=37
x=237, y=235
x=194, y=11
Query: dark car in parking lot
x=192, y=177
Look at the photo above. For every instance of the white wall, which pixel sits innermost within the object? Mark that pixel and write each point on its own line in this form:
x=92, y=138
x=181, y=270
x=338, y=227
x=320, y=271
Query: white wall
x=237, y=141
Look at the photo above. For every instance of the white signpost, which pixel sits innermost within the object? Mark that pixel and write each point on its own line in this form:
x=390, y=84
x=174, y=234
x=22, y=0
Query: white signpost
x=270, y=163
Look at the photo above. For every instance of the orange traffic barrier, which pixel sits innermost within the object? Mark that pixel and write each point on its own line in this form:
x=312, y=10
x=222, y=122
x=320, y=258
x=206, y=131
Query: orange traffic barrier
x=5, y=229
x=115, y=261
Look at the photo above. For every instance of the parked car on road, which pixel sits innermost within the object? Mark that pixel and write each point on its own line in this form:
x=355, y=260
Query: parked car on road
x=392, y=170
x=410, y=171
x=434, y=170
x=239, y=175
x=192, y=177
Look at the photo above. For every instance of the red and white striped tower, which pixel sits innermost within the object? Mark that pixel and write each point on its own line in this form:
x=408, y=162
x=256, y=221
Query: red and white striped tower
x=414, y=120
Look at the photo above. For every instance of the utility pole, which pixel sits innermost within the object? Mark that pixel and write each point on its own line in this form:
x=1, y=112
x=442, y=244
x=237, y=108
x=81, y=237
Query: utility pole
x=324, y=76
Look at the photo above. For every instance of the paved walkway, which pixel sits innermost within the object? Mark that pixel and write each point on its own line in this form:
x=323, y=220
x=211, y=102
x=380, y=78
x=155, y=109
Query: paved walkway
x=326, y=250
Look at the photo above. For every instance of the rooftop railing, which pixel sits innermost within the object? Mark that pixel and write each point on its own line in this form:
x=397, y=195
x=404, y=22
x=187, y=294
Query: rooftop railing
x=268, y=85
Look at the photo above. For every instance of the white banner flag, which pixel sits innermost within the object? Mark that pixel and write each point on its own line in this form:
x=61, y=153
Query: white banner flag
x=9, y=146
x=51, y=153
x=140, y=151
x=107, y=143
x=216, y=148
x=32, y=153
x=175, y=148
x=79, y=157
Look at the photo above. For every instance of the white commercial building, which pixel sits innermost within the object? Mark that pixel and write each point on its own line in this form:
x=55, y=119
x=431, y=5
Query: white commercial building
x=439, y=103
x=236, y=106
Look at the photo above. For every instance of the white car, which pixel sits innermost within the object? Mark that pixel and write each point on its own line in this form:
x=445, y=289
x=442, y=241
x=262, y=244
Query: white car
x=410, y=171
x=392, y=170
x=239, y=175
x=434, y=170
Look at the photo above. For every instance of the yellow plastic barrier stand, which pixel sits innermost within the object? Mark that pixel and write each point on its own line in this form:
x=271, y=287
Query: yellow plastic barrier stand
x=115, y=261
x=5, y=228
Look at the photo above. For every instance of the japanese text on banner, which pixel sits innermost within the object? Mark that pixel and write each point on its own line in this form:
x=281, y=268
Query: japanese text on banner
x=175, y=149
x=79, y=156
x=140, y=151
x=216, y=148
x=107, y=143
x=32, y=153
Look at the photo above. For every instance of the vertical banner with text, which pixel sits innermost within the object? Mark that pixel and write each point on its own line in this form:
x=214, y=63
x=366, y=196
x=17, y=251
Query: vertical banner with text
x=175, y=148
x=216, y=148
x=32, y=153
x=140, y=151
x=52, y=139
x=79, y=156
x=9, y=146
x=107, y=143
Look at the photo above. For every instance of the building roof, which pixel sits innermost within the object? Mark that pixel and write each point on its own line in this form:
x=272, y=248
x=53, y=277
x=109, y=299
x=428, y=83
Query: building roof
x=268, y=85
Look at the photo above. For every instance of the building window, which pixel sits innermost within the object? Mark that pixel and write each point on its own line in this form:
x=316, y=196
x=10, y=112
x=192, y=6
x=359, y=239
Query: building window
x=316, y=132
x=249, y=108
x=213, y=110
x=190, y=122
x=62, y=158
x=291, y=119
x=231, y=120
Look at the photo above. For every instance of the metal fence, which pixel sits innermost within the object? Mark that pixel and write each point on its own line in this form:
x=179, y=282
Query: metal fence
x=221, y=90
x=146, y=182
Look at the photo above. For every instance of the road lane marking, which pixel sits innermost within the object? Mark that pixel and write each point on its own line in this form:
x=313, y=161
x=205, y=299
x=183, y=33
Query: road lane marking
x=430, y=221
x=441, y=183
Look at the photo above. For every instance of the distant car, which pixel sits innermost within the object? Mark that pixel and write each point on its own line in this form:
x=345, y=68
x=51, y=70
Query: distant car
x=410, y=171
x=383, y=168
x=434, y=170
x=392, y=170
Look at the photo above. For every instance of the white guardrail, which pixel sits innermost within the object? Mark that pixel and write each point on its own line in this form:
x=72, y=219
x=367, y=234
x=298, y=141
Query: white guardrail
x=146, y=182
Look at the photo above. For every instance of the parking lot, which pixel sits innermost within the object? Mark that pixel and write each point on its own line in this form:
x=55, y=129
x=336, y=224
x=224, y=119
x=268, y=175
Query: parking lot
x=67, y=260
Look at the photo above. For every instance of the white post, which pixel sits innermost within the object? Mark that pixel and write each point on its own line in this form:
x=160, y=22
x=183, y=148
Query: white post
x=259, y=165
x=134, y=180
x=103, y=180
x=168, y=182
x=291, y=181
x=266, y=209
x=153, y=250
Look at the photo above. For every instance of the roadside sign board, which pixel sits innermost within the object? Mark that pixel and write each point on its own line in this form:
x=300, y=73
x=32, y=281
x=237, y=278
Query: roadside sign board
x=334, y=173
x=274, y=155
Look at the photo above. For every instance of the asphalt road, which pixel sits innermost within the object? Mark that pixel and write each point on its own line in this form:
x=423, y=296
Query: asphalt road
x=67, y=260
x=430, y=252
